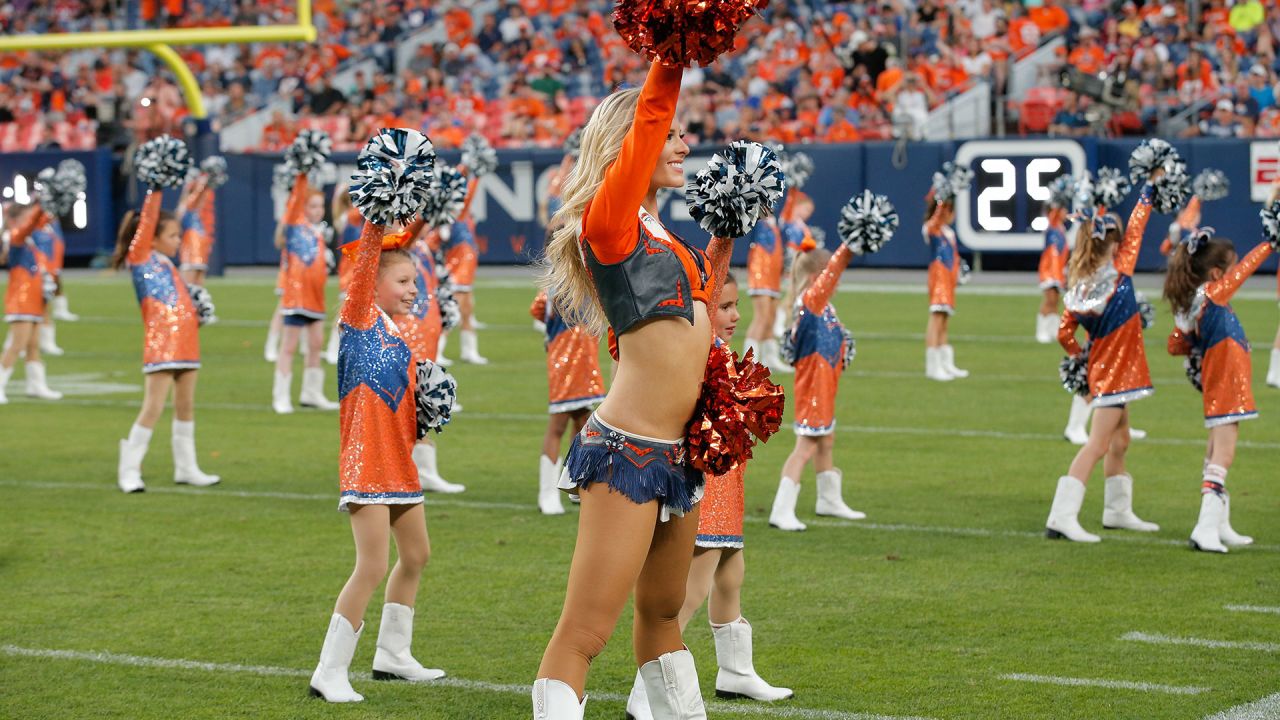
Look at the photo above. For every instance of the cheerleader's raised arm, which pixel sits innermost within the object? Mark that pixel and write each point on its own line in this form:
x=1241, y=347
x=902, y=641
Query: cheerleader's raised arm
x=141, y=245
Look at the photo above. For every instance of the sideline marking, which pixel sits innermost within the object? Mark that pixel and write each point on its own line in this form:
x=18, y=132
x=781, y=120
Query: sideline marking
x=1252, y=609
x=1268, y=708
x=110, y=658
x=1112, y=684
x=1158, y=639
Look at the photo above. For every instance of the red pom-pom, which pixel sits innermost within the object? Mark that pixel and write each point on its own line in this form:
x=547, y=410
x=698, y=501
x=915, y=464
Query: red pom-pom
x=738, y=404
x=682, y=32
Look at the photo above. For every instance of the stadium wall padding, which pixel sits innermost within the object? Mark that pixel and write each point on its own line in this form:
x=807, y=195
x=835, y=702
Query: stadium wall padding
x=507, y=204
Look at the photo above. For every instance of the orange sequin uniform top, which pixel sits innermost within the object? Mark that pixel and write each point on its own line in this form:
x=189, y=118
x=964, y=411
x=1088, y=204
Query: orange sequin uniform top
x=421, y=328
x=1105, y=305
x=198, y=232
x=819, y=343
x=1211, y=326
x=28, y=264
x=303, y=258
x=574, y=381
x=171, y=327
x=765, y=259
x=376, y=377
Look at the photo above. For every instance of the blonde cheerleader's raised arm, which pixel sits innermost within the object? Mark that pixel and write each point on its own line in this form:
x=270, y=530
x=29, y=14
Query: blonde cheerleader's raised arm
x=360, y=310
x=823, y=288
x=140, y=245
x=610, y=224
x=1222, y=290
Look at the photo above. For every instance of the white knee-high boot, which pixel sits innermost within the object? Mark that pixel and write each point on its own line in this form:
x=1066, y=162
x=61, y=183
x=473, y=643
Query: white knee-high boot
x=424, y=456
x=392, y=660
x=554, y=700
x=312, y=395
x=38, y=383
x=949, y=362
x=5, y=374
x=773, y=358
x=1077, y=430
x=671, y=682
x=1207, y=535
x=470, y=349
x=638, y=700
x=737, y=676
x=331, y=679
x=830, y=497
x=1117, y=513
x=441, y=360
x=271, y=348
x=335, y=341
x=132, y=450
x=934, y=367
x=1064, y=521
x=282, y=392
x=1045, y=325
x=49, y=340
x=1273, y=371
x=783, y=514
x=186, y=469
x=1226, y=533
x=548, y=493
x=62, y=311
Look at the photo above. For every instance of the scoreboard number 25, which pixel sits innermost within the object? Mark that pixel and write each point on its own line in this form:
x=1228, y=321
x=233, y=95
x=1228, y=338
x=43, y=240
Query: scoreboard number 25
x=1004, y=209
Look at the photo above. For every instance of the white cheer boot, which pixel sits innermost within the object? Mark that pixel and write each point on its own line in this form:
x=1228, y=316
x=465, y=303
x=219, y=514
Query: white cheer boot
x=132, y=450
x=1044, y=328
x=949, y=362
x=780, y=321
x=271, y=348
x=783, y=514
x=424, y=456
x=1117, y=512
x=49, y=340
x=470, y=349
x=5, y=374
x=1207, y=535
x=671, y=682
x=737, y=676
x=441, y=360
x=638, y=701
x=331, y=679
x=554, y=700
x=1077, y=430
x=312, y=395
x=773, y=358
x=548, y=492
x=335, y=341
x=933, y=365
x=1064, y=514
x=38, y=385
x=62, y=311
x=1226, y=533
x=186, y=469
x=392, y=660
x=1273, y=371
x=830, y=500
x=281, y=390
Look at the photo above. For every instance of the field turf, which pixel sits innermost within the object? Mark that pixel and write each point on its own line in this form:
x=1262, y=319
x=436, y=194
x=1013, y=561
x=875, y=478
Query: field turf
x=945, y=603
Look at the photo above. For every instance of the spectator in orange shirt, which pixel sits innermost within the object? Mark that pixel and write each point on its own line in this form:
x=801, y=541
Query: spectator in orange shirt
x=1088, y=56
x=840, y=129
x=1049, y=17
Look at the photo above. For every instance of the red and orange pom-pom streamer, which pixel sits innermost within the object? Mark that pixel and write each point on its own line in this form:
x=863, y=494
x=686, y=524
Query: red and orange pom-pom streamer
x=739, y=404
x=682, y=32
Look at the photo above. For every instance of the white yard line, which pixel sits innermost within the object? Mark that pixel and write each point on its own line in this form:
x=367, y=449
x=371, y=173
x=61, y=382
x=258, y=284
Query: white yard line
x=1110, y=684
x=1268, y=708
x=779, y=710
x=1253, y=609
x=1158, y=639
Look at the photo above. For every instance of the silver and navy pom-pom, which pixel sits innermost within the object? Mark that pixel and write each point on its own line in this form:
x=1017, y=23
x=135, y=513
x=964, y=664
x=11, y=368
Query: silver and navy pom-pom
x=448, y=195
x=850, y=348
x=1211, y=185
x=573, y=143
x=740, y=185
x=214, y=168
x=1151, y=155
x=798, y=168
x=203, y=302
x=1270, y=216
x=48, y=286
x=393, y=176
x=787, y=350
x=478, y=156
x=1146, y=310
x=435, y=394
x=1082, y=199
x=309, y=150
x=1110, y=188
x=57, y=191
x=941, y=187
x=966, y=273
x=450, y=311
x=1074, y=372
x=71, y=173
x=162, y=163
x=1062, y=192
x=950, y=181
x=867, y=222
x=1171, y=191
x=1194, y=366
x=283, y=176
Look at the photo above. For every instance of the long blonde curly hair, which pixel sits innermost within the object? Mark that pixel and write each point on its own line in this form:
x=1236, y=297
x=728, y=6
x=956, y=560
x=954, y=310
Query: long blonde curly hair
x=562, y=272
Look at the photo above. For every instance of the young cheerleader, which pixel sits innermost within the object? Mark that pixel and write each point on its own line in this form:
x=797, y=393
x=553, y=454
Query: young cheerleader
x=306, y=271
x=718, y=568
x=574, y=387
x=944, y=275
x=195, y=209
x=51, y=241
x=1203, y=276
x=1053, y=259
x=347, y=222
x=462, y=258
x=820, y=345
x=377, y=384
x=764, y=285
x=1101, y=298
x=797, y=238
x=170, y=347
x=638, y=494
x=24, y=303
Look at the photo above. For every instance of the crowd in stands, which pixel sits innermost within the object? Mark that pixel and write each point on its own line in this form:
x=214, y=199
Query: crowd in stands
x=527, y=72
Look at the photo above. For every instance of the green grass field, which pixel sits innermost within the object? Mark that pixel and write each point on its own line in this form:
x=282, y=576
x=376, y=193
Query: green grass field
x=213, y=603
